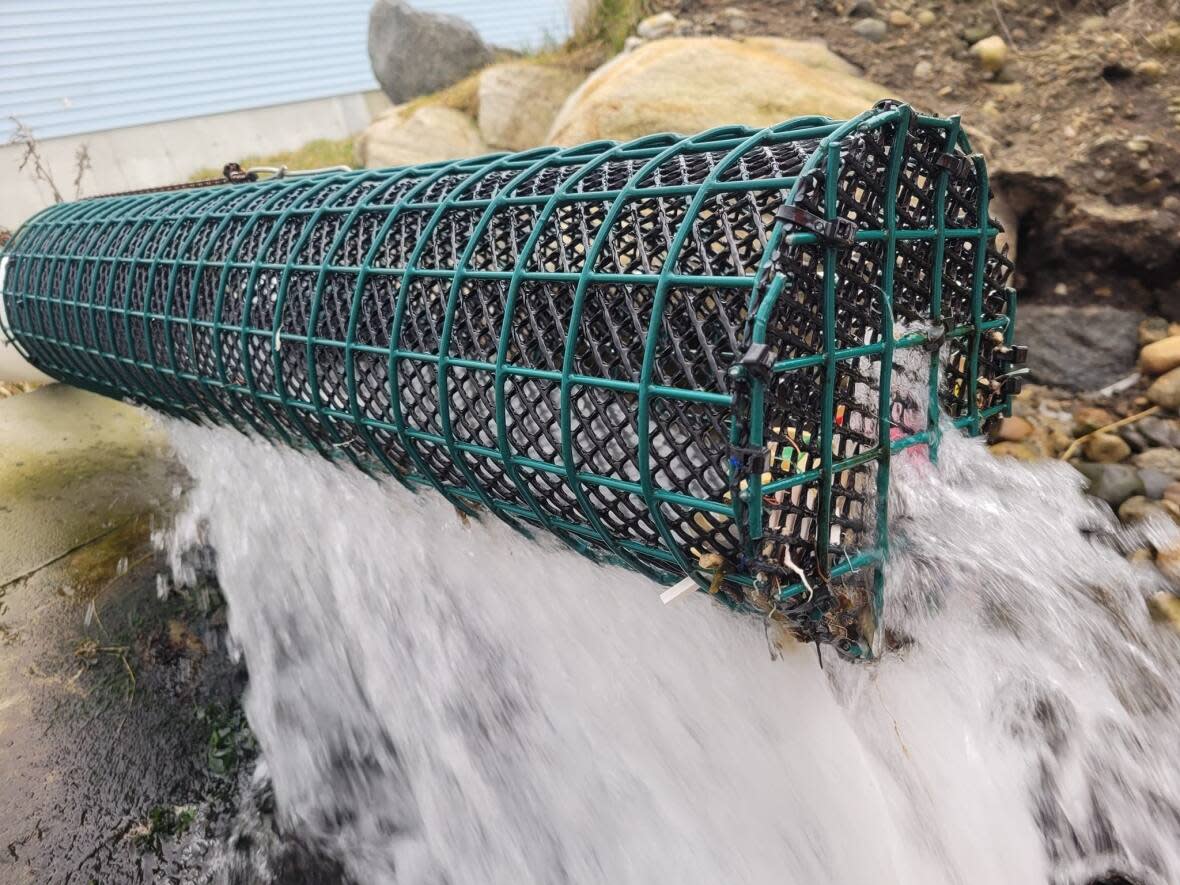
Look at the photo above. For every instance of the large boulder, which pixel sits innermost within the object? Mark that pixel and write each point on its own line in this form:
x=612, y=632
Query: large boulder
x=423, y=134
x=1078, y=347
x=518, y=101
x=415, y=53
x=689, y=84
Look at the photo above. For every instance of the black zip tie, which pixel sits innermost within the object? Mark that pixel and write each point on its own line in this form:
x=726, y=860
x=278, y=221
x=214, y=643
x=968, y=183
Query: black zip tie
x=840, y=232
x=758, y=361
x=958, y=166
x=751, y=459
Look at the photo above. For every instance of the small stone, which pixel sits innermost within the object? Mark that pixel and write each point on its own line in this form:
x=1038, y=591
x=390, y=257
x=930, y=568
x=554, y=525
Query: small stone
x=1151, y=69
x=1172, y=493
x=1139, y=145
x=871, y=29
x=662, y=24
x=1136, y=440
x=1168, y=561
x=991, y=53
x=1106, y=448
x=1159, y=432
x=974, y=33
x=1112, y=483
x=1160, y=356
x=1165, y=390
x=1155, y=482
x=632, y=43
x=1021, y=451
x=1152, y=329
x=1014, y=429
x=1137, y=509
x=927, y=17
x=899, y=19
x=1165, y=609
x=923, y=70
x=1164, y=460
x=1087, y=419
x=862, y=9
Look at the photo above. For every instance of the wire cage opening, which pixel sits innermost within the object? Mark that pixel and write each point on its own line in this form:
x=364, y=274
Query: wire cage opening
x=677, y=354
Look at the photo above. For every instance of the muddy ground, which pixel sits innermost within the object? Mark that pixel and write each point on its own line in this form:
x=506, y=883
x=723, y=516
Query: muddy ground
x=1081, y=125
x=124, y=753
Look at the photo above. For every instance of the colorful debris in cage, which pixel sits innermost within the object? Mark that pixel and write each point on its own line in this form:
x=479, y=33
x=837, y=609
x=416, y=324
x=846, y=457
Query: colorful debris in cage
x=676, y=354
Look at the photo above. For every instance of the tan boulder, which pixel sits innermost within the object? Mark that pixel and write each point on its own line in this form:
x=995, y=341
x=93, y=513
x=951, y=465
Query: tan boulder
x=1014, y=429
x=518, y=101
x=1160, y=356
x=423, y=134
x=689, y=84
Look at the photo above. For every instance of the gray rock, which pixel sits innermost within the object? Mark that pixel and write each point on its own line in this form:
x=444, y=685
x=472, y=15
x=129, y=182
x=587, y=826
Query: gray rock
x=1154, y=482
x=1164, y=460
x=872, y=29
x=1159, y=432
x=1113, y=483
x=1136, y=440
x=415, y=53
x=1079, y=347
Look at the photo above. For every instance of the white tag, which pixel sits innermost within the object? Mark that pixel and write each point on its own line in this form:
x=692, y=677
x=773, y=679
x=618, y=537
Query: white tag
x=677, y=589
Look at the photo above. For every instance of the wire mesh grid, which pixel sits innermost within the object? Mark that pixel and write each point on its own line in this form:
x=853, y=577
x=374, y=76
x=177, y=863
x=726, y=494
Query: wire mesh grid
x=564, y=336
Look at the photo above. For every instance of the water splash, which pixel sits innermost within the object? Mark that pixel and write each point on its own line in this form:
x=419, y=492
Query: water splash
x=448, y=702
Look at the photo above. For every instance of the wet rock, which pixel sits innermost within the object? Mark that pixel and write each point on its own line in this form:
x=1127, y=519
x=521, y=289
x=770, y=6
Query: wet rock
x=1164, y=460
x=1080, y=347
x=1165, y=609
x=1158, y=431
x=1021, y=451
x=1014, y=429
x=655, y=27
x=1139, y=508
x=689, y=84
x=1165, y=390
x=1167, y=560
x=1106, y=448
x=415, y=52
x=406, y=135
x=1087, y=419
x=1134, y=438
x=991, y=53
x=1113, y=483
x=1155, y=482
x=1153, y=329
x=1172, y=493
x=1160, y=356
x=871, y=29
x=519, y=100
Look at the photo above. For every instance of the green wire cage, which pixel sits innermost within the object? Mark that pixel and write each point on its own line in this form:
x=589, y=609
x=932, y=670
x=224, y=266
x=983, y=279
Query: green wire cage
x=677, y=354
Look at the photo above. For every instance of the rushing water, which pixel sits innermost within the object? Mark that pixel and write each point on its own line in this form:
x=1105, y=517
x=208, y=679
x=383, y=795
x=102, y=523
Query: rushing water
x=442, y=702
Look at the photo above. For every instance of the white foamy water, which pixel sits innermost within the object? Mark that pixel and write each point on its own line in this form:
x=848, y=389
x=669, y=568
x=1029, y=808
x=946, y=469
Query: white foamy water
x=440, y=702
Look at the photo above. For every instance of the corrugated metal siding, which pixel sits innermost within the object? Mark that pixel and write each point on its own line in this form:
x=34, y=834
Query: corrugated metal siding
x=73, y=66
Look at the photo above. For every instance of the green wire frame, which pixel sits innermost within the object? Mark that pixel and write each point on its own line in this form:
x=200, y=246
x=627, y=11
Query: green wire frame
x=93, y=327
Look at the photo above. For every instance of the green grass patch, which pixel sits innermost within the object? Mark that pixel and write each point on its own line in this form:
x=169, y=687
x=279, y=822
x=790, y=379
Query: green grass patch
x=313, y=155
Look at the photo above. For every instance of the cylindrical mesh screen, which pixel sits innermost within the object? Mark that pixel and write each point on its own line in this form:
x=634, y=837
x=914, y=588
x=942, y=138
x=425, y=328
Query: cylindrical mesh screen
x=570, y=338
